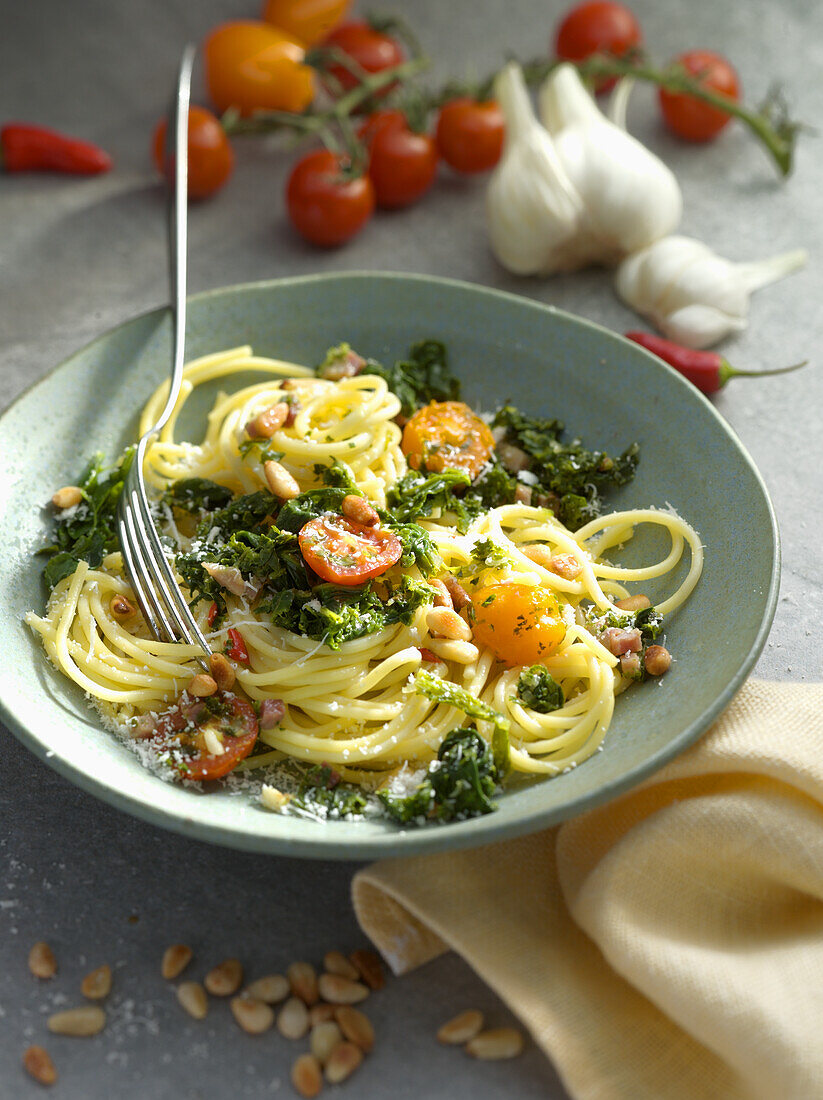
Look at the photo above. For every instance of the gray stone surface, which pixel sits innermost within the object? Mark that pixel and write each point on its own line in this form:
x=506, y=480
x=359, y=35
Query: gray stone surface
x=77, y=256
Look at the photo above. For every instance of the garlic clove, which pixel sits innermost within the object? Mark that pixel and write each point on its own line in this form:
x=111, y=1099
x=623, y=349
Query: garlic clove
x=533, y=211
x=630, y=198
x=691, y=294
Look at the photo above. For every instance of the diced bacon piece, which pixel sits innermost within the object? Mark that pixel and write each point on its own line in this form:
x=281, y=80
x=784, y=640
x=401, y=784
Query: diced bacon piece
x=271, y=713
x=619, y=641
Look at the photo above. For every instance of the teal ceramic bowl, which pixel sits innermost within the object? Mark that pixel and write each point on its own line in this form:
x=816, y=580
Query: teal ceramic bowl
x=608, y=391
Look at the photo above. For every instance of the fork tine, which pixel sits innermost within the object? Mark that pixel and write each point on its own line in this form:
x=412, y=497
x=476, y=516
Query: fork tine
x=138, y=571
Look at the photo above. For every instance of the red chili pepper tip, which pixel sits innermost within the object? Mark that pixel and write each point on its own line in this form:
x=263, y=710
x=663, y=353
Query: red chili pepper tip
x=707, y=370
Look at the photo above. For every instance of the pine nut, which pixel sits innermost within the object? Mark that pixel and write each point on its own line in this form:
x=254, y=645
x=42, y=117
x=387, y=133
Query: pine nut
x=175, y=960
x=657, y=660
x=370, y=966
x=539, y=554
x=280, y=481
x=273, y=799
x=81, y=1021
x=222, y=672
x=462, y=653
x=323, y=1039
x=202, y=685
x=42, y=962
x=266, y=423
x=121, y=608
x=356, y=1026
x=303, y=981
x=441, y=595
x=338, y=990
x=252, y=1015
x=272, y=989
x=38, y=1064
x=293, y=1019
x=496, y=1044
x=462, y=1028
x=225, y=979
x=342, y=1063
x=459, y=595
x=335, y=962
x=67, y=497
x=358, y=510
x=634, y=603
x=566, y=566
x=443, y=622
x=192, y=997
x=307, y=1076
x=320, y=1013
x=97, y=984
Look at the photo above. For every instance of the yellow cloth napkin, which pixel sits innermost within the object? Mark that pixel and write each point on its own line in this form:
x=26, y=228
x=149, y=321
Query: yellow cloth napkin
x=666, y=946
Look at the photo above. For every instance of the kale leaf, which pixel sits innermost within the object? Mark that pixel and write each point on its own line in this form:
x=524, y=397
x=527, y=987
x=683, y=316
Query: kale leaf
x=241, y=514
x=538, y=690
x=89, y=532
x=648, y=620
x=444, y=691
x=459, y=783
x=418, y=547
x=274, y=558
x=570, y=474
x=425, y=376
x=418, y=494
x=197, y=494
x=323, y=795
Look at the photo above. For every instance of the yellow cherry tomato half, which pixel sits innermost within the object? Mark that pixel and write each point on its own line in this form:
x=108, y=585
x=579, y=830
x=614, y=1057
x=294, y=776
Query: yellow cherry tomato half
x=255, y=67
x=308, y=20
x=519, y=623
x=447, y=435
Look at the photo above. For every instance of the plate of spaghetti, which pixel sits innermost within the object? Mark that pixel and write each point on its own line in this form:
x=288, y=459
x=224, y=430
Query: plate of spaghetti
x=456, y=554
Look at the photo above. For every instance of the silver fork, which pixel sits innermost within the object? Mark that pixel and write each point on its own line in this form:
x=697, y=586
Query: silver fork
x=165, y=610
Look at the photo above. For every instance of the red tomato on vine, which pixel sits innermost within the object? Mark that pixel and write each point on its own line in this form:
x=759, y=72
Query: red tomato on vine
x=470, y=134
x=690, y=118
x=326, y=204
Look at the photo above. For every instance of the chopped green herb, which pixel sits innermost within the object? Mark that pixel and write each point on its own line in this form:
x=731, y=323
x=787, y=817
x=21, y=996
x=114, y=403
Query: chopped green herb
x=261, y=449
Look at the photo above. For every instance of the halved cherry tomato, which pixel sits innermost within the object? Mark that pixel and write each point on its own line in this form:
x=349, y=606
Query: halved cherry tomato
x=347, y=553
x=211, y=158
x=325, y=205
x=519, y=623
x=402, y=163
x=470, y=134
x=308, y=20
x=372, y=50
x=253, y=66
x=447, y=435
x=236, y=647
x=597, y=26
x=688, y=117
x=182, y=729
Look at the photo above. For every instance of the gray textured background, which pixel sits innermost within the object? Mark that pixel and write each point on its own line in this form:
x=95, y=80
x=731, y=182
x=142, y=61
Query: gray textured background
x=77, y=256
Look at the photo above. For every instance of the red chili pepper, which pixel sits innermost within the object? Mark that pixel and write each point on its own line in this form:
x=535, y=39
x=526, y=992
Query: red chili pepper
x=236, y=647
x=707, y=370
x=212, y=615
x=25, y=148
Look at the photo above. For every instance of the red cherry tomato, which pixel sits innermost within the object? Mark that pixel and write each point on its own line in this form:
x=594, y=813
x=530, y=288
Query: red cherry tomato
x=253, y=66
x=402, y=163
x=597, y=26
x=347, y=553
x=308, y=20
x=326, y=206
x=211, y=158
x=181, y=730
x=690, y=118
x=372, y=50
x=470, y=134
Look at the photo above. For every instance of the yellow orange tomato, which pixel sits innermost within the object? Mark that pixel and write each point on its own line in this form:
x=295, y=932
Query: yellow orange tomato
x=447, y=435
x=308, y=20
x=254, y=66
x=520, y=624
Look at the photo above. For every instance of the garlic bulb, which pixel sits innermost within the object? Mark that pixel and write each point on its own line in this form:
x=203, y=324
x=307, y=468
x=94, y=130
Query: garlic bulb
x=630, y=197
x=533, y=212
x=691, y=294
x=580, y=192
